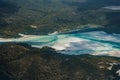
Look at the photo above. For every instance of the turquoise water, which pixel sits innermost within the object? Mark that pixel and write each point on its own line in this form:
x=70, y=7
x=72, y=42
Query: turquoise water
x=95, y=42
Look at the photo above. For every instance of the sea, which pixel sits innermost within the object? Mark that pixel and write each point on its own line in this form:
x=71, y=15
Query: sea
x=75, y=43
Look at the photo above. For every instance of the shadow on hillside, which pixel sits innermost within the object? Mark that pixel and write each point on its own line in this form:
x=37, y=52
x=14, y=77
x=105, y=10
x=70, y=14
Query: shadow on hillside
x=6, y=9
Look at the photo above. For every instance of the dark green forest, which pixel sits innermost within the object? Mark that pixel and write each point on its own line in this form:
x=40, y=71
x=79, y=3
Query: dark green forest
x=23, y=62
x=47, y=16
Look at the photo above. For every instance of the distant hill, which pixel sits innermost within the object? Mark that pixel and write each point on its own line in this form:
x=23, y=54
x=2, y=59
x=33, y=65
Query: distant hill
x=6, y=10
x=55, y=15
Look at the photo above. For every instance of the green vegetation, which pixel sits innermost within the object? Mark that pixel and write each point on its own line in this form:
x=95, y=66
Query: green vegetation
x=19, y=61
x=47, y=16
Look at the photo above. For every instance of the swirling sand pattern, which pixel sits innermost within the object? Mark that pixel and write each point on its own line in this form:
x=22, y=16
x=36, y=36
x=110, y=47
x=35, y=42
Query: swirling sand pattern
x=95, y=42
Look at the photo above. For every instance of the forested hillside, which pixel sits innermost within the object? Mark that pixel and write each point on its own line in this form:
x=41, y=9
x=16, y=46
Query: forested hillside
x=46, y=16
x=22, y=62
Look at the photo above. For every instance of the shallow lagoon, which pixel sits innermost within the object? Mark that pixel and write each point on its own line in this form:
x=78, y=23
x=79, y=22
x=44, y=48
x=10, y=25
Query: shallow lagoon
x=94, y=42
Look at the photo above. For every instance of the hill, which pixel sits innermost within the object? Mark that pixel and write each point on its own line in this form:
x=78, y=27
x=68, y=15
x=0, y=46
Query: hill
x=47, y=16
x=19, y=61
